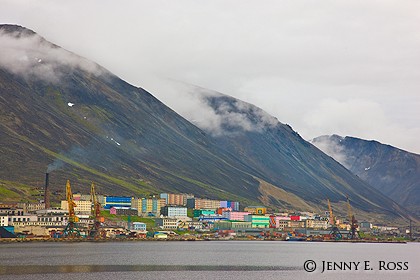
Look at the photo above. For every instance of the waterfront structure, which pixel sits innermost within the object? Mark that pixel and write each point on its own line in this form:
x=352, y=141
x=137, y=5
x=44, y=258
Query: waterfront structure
x=173, y=211
x=237, y=216
x=234, y=205
x=139, y=226
x=6, y=232
x=190, y=225
x=232, y=225
x=202, y=203
x=148, y=206
x=258, y=210
x=365, y=225
x=117, y=201
x=258, y=221
x=316, y=224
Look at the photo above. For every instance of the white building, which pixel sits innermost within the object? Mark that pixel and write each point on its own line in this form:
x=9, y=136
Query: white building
x=138, y=226
x=4, y=221
x=174, y=211
x=167, y=223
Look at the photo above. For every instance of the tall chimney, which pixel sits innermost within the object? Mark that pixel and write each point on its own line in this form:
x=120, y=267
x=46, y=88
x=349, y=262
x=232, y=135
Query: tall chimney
x=46, y=193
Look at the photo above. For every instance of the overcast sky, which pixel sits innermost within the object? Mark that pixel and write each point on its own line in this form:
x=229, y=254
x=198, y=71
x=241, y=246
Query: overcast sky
x=344, y=67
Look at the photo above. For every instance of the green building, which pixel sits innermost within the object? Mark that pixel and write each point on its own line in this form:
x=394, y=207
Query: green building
x=203, y=212
x=258, y=221
x=232, y=225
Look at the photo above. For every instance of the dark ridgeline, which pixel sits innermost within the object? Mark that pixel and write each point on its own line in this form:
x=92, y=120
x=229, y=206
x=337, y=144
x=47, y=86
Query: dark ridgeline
x=392, y=171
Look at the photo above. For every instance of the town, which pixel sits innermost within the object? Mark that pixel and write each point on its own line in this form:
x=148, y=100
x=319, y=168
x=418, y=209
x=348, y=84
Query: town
x=178, y=216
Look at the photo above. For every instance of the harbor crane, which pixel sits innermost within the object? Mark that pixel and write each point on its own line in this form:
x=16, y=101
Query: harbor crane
x=72, y=229
x=95, y=228
x=335, y=232
x=353, y=234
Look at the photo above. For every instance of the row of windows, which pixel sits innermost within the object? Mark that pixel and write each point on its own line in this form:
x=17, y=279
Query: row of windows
x=39, y=219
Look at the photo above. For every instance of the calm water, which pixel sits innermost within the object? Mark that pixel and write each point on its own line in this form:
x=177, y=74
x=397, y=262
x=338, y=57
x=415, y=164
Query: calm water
x=203, y=260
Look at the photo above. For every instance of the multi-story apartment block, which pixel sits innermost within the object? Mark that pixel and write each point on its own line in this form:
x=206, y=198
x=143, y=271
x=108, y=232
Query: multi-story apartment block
x=167, y=223
x=234, y=205
x=235, y=216
x=117, y=201
x=173, y=211
x=175, y=199
x=201, y=203
x=148, y=206
x=83, y=207
x=258, y=221
x=317, y=224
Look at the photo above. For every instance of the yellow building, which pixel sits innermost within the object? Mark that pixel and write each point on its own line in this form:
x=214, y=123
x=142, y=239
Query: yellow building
x=147, y=206
x=83, y=207
x=257, y=210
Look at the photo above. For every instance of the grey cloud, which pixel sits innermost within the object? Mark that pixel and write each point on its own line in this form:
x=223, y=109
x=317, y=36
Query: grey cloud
x=332, y=148
x=32, y=56
x=193, y=103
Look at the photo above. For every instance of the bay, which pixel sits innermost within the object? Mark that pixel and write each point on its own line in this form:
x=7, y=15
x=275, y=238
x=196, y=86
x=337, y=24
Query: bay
x=208, y=260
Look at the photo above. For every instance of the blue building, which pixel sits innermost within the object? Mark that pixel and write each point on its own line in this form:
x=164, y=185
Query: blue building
x=117, y=201
x=139, y=226
x=230, y=204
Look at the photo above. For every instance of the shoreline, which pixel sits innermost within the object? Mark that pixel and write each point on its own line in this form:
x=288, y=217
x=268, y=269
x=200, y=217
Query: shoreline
x=71, y=240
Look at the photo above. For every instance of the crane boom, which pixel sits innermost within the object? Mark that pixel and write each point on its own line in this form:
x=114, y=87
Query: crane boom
x=332, y=218
x=95, y=229
x=335, y=232
x=71, y=229
x=71, y=203
x=353, y=234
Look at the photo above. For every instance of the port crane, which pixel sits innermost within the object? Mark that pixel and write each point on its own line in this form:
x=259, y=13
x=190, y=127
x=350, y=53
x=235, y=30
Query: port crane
x=95, y=228
x=353, y=234
x=335, y=232
x=72, y=229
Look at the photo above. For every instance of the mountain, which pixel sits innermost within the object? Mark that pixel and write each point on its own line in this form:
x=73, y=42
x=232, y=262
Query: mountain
x=392, y=171
x=67, y=115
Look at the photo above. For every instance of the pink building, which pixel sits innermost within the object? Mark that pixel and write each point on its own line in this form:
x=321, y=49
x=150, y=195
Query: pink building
x=235, y=216
x=113, y=211
x=281, y=220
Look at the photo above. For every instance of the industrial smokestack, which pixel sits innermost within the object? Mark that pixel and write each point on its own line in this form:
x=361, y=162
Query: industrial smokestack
x=46, y=193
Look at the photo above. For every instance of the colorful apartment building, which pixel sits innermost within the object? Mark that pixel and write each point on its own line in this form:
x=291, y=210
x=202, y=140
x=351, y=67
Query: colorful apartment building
x=201, y=203
x=179, y=199
x=148, y=206
x=235, y=216
x=258, y=221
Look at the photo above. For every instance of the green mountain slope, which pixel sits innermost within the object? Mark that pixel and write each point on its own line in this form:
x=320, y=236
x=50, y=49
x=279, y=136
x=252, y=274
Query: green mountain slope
x=62, y=113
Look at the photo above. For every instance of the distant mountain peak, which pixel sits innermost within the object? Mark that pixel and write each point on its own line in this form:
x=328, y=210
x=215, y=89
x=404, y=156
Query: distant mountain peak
x=394, y=172
x=16, y=30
